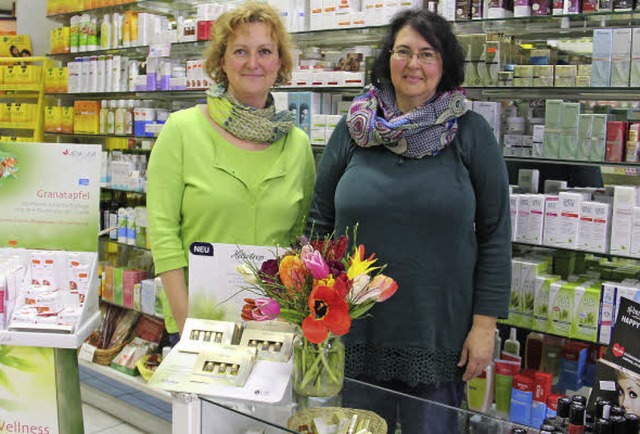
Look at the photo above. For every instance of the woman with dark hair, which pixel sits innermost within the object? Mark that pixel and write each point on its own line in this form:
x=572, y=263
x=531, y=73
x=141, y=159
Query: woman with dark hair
x=424, y=180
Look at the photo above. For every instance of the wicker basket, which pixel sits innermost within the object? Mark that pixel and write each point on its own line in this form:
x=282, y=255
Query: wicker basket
x=104, y=357
x=330, y=415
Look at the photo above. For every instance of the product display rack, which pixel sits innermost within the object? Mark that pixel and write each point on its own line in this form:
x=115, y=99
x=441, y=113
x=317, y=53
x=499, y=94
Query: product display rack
x=24, y=93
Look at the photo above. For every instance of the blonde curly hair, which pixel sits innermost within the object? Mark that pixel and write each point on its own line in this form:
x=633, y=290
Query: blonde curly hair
x=228, y=23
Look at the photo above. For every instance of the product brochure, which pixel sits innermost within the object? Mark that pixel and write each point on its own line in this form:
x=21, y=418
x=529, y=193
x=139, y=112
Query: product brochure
x=216, y=287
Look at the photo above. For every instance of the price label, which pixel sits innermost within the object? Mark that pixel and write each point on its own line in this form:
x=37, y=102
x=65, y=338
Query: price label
x=160, y=50
x=86, y=352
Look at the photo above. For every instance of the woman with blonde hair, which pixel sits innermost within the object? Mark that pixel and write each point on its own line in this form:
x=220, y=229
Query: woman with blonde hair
x=234, y=170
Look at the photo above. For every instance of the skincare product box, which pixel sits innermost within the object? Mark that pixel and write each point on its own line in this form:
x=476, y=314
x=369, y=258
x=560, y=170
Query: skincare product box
x=634, y=79
x=513, y=207
x=598, y=137
x=586, y=312
x=270, y=345
x=607, y=312
x=522, y=218
x=621, y=57
x=561, y=297
x=225, y=364
x=521, y=399
x=552, y=128
x=529, y=271
x=551, y=230
x=535, y=222
x=625, y=198
x=635, y=233
x=601, y=57
x=570, y=204
x=199, y=334
x=541, y=302
x=569, y=131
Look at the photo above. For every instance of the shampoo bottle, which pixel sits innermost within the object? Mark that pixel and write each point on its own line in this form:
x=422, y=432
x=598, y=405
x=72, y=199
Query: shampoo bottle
x=480, y=390
x=105, y=33
x=511, y=345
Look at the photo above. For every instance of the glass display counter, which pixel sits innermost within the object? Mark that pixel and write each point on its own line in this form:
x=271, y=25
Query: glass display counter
x=405, y=414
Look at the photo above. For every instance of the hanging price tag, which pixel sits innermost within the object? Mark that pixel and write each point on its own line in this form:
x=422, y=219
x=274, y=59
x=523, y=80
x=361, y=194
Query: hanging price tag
x=86, y=352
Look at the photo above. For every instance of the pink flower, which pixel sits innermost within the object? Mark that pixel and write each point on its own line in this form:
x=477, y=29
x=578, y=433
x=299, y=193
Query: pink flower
x=316, y=265
x=260, y=309
x=378, y=290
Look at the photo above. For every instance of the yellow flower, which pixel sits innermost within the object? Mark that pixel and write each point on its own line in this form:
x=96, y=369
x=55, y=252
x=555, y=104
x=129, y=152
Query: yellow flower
x=359, y=265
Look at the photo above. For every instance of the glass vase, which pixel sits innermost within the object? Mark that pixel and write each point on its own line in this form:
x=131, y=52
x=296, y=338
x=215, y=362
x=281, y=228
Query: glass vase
x=318, y=369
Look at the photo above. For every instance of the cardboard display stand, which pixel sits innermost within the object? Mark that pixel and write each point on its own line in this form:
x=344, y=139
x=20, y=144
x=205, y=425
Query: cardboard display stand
x=49, y=201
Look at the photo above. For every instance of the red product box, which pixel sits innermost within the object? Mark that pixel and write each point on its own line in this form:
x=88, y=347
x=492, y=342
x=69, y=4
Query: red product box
x=523, y=383
x=616, y=138
x=204, y=30
x=542, y=389
x=589, y=5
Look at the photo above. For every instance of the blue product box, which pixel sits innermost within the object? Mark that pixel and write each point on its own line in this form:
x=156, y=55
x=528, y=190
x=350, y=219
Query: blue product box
x=520, y=406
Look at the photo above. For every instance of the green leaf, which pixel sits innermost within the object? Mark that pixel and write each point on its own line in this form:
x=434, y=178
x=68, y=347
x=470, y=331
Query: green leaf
x=6, y=382
x=360, y=310
x=19, y=364
x=292, y=316
x=10, y=405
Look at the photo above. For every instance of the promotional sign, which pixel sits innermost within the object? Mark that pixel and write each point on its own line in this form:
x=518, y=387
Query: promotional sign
x=215, y=285
x=49, y=196
x=28, y=400
x=617, y=377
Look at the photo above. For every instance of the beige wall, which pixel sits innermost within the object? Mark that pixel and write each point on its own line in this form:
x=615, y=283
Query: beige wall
x=32, y=20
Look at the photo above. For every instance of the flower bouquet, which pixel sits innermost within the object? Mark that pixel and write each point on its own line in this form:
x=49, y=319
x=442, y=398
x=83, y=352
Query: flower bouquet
x=8, y=166
x=316, y=286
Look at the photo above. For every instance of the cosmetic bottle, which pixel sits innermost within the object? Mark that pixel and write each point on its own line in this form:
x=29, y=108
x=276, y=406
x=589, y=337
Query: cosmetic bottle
x=576, y=419
x=616, y=410
x=633, y=423
x=547, y=429
x=603, y=409
x=582, y=400
x=533, y=351
x=618, y=424
x=511, y=345
x=602, y=426
x=562, y=415
x=497, y=346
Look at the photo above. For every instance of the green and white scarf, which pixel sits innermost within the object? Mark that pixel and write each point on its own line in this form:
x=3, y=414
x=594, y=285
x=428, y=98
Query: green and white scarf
x=245, y=122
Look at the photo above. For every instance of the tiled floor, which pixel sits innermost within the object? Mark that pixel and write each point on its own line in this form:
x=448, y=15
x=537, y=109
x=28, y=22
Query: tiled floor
x=137, y=411
x=97, y=421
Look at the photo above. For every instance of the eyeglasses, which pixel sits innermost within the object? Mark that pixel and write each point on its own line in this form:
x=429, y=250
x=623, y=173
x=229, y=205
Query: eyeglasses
x=426, y=57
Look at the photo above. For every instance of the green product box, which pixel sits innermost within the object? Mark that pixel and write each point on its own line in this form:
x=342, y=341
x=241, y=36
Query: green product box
x=586, y=312
x=514, y=300
x=541, y=302
x=118, y=291
x=530, y=269
x=561, y=296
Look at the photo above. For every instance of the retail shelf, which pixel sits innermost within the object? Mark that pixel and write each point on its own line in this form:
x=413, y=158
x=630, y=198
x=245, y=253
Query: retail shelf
x=108, y=240
x=565, y=93
x=621, y=166
x=506, y=324
x=20, y=88
x=549, y=25
x=157, y=6
x=123, y=189
x=136, y=382
x=101, y=136
x=57, y=340
x=158, y=94
x=604, y=255
x=14, y=126
x=177, y=48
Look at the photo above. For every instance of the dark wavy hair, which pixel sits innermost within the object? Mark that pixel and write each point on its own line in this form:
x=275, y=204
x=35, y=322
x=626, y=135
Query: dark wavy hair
x=438, y=33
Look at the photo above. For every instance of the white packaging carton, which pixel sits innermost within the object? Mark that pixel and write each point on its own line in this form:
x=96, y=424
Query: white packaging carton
x=625, y=198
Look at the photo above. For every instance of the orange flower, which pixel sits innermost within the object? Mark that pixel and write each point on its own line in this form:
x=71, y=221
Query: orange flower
x=292, y=272
x=329, y=313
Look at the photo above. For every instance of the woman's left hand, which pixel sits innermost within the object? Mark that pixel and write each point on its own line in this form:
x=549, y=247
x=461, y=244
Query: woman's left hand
x=477, y=350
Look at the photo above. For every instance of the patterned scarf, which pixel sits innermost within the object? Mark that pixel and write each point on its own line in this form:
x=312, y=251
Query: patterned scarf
x=248, y=123
x=374, y=119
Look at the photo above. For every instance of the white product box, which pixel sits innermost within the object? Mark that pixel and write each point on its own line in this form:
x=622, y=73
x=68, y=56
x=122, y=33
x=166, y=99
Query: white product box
x=601, y=228
x=607, y=310
x=516, y=284
x=635, y=233
x=621, y=57
x=634, y=79
x=550, y=232
x=570, y=204
x=513, y=206
x=601, y=57
x=535, y=222
x=625, y=198
x=491, y=112
x=73, y=76
x=522, y=218
x=585, y=225
x=530, y=269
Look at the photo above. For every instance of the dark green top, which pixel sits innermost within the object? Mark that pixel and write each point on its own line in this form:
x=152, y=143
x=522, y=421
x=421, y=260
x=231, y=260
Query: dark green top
x=442, y=225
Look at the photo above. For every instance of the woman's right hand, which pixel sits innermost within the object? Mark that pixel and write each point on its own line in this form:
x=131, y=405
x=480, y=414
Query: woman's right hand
x=176, y=290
